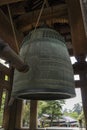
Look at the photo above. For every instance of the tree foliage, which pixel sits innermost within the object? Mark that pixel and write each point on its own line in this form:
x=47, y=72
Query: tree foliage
x=2, y=107
x=77, y=108
x=71, y=114
x=26, y=113
x=81, y=117
x=52, y=108
x=75, y=112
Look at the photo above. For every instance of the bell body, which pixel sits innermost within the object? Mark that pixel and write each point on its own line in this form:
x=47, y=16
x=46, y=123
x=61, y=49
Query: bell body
x=50, y=75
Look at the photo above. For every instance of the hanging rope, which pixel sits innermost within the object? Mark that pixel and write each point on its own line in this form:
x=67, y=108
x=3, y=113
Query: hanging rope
x=13, y=29
x=38, y=19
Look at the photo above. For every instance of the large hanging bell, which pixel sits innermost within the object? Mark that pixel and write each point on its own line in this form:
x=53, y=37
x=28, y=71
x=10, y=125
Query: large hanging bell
x=51, y=75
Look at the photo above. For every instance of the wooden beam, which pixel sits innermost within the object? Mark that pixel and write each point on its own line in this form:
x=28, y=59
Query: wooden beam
x=84, y=13
x=5, y=84
x=12, y=57
x=1, y=93
x=70, y=52
x=4, y=69
x=63, y=28
x=33, y=114
x=79, y=40
x=5, y=2
x=84, y=97
x=6, y=32
x=80, y=84
x=17, y=9
x=25, y=22
x=80, y=68
x=84, y=102
x=10, y=111
x=19, y=114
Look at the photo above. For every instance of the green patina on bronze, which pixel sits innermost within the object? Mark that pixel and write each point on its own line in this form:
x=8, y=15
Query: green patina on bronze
x=51, y=74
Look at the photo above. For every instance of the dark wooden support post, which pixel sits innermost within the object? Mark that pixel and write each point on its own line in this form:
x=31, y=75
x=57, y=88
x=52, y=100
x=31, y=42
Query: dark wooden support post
x=1, y=92
x=19, y=114
x=7, y=109
x=83, y=4
x=33, y=114
x=79, y=40
x=84, y=97
x=12, y=117
x=83, y=78
x=12, y=114
x=10, y=111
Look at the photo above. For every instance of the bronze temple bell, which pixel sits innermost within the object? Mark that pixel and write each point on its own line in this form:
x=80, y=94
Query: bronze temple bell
x=50, y=75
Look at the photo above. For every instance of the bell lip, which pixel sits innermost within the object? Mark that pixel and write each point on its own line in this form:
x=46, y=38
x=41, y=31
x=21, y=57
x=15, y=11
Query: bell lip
x=44, y=95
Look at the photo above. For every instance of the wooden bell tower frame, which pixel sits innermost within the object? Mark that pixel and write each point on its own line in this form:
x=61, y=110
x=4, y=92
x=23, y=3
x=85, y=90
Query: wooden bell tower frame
x=77, y=27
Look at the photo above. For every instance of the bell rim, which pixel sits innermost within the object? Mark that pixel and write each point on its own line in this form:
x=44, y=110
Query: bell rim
x=43, y=95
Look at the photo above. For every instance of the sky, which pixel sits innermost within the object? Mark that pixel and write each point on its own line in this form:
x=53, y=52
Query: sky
x=69, y=103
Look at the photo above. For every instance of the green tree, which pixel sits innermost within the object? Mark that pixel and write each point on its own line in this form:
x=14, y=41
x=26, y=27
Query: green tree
x=77, y=108
x=75, y=112
x=52, y=108
x=2, y=107
x=81, y=117
x=41, y=107
x=26, y=113
x=71, y=114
